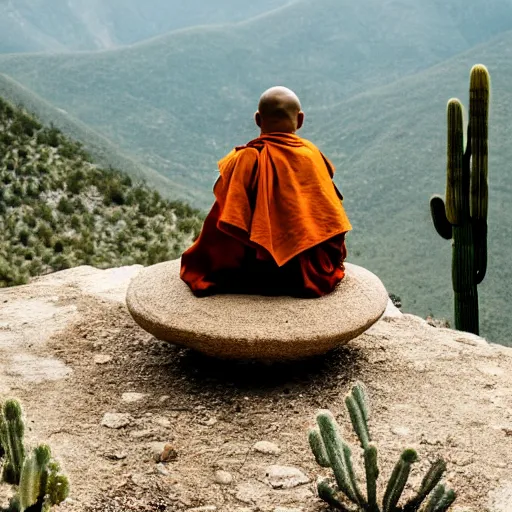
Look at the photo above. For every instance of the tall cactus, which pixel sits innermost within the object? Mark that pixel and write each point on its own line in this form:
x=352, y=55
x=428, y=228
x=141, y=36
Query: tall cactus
x=463, y=217
x=12, y=430
x=330, y=450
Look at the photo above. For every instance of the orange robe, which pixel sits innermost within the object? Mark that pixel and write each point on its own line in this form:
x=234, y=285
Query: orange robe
x=277, y=226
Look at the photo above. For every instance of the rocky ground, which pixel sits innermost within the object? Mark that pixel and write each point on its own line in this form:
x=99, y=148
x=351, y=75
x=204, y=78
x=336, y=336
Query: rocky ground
x=140, y=425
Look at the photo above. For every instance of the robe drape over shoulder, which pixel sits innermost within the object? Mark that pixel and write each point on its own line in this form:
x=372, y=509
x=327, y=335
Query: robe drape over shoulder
x=277, y=224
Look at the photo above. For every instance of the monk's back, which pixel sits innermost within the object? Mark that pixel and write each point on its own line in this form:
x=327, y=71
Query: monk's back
x=277, y=214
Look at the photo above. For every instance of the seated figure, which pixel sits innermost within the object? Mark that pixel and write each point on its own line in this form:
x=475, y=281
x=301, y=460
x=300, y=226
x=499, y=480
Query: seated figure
x=278, y=225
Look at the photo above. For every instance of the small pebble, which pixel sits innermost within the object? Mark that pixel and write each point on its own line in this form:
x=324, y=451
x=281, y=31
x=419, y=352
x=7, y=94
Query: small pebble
x=102, y=359
x=115, y=420
x=267, y=448
x=133, y=397
x=223, y=477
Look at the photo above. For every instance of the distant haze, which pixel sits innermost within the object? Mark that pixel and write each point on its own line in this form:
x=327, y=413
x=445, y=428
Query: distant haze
x=75, y=25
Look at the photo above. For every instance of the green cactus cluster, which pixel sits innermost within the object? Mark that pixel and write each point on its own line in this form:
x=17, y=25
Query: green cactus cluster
x=37, y=477
x=462, y=216
x=331, y=451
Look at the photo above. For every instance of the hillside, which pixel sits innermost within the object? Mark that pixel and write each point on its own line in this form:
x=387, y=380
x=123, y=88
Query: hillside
x=102, y=151
x=79, y=25
x=390, y=147
x=58, y=210
x=374, y=103
x=179, y=102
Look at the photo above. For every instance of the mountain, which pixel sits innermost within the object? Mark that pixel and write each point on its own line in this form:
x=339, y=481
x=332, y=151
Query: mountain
x=58, y=210
x=374, y=78
x=102, y=151
x=179, y=102
x=78, y=25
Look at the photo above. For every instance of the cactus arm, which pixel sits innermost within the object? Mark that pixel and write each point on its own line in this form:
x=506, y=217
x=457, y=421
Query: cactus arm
x=318, y=448
x=456, y=206
x=29, y=483
x=360, y=394
x=358, y=420
x=347, y=454
x=438, y=212
x=446, y=501
x=34, y=477
x=328, y=494
x=428, y=484
x=57, y=488
x=479, y=114
x=334, y=447
x=372, y=473
x=12, y=430
x=398, y=479
x=435, y=499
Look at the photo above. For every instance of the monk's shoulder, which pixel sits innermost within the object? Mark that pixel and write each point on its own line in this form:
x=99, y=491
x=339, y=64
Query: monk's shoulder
x=308, y=144
x=239, y=155
x=321, y=157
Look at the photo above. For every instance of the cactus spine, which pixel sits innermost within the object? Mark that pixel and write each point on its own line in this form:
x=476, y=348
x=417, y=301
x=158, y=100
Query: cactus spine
x=12, y=430
x=330, y=450
x=463, y=217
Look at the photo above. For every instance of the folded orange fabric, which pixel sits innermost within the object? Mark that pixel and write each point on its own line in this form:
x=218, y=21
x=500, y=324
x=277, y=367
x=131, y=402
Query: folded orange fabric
x=277, y=193
x=275, y=196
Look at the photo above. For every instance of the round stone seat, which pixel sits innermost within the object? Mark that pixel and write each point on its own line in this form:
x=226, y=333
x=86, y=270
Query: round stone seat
x=254, y=326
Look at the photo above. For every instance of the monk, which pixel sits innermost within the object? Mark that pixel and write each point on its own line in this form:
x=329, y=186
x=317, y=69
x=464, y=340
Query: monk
x=277, y=226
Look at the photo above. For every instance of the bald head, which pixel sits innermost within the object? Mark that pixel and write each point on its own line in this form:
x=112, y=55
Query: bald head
x=279, y=110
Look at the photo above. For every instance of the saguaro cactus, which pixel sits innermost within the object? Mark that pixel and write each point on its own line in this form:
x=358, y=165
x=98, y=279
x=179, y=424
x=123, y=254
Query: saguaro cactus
x=12, y=430
x=463, y=217
x=331, y=451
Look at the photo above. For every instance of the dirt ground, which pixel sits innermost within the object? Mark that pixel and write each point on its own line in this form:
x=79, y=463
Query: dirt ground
x=442, y=392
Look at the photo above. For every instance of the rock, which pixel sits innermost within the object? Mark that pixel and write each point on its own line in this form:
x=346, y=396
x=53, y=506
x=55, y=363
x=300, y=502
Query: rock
x=209, y=423
x=283, y=509
x=267, y=448
x=169, y=453
x=207, y=508
x=133, y=397
x=500, y=499
x=116, y=420
x=400, y=431
x=223, y=478
x=116, y=455
x=265, y=328
x=285, y=477
x=163, y=452
x=163, y=422
x=102, y=358
x=161, y=470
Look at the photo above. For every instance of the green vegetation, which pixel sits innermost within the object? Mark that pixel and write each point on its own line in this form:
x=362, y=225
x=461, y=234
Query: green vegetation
x=464, y=216
x=58, y=210
x=331, y=451
x=37, y=477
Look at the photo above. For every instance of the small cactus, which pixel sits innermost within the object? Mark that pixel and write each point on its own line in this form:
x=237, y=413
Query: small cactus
x=12, y=430
x=330, y=450
x=41, y=484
